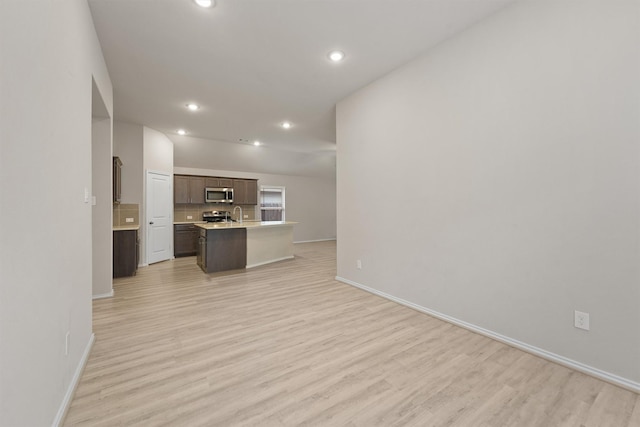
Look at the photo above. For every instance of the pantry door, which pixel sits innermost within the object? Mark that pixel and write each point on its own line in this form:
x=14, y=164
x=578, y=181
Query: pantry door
x=159, y=213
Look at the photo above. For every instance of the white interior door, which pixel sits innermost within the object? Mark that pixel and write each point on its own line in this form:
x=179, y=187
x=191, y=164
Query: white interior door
x=159, y=212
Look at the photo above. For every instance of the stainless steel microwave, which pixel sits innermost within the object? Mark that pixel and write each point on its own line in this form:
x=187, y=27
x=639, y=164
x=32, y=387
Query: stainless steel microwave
x=218, y=195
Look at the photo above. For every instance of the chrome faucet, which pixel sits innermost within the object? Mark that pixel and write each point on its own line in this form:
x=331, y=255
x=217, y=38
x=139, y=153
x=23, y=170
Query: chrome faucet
x=240, y=217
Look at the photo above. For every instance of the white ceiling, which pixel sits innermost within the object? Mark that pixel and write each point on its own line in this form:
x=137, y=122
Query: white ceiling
x=252, y=64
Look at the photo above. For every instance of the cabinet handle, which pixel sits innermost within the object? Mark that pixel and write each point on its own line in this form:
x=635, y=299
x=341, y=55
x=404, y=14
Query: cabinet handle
x=150, y=222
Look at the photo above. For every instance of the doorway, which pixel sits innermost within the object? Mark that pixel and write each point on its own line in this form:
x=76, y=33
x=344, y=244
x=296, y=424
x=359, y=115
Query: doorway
x=159, y=214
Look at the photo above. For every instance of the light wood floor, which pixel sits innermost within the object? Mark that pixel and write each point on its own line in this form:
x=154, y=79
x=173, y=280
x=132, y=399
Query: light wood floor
x=287, y=345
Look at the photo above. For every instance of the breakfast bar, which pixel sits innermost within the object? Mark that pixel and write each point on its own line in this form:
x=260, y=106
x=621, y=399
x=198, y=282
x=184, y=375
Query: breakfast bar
x=226, y=246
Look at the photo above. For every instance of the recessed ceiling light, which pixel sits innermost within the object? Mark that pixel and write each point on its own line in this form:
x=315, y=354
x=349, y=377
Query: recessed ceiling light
x=336, y=55
x=193, y=107
x=182, y=132
x=205, y=3
x=286, y=125
x=256, y=143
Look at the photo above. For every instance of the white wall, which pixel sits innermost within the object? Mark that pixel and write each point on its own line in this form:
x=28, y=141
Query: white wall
x=49, y=53
x=158, y=151
x=210, y=154
x=128, y=145
x=310, y=201
x=102, y=211
x=518, y=143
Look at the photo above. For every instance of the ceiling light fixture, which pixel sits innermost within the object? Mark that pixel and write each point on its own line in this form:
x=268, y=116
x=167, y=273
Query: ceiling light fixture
x=286, y=125
x=336, y=55
x=257, y=143
x=205, y=3
x=193, y=107
x=182, y=132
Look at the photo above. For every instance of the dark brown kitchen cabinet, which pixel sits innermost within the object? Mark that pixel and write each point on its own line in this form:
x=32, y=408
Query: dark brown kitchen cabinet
x=125, y=252
x=222, y=249
x=196, y=187
x=185, y=240
x=188, y=189
x=252, y=192
x=218, y=182
x=245, y=192
x=180, y=189
x=117, y=180
x=239, y=190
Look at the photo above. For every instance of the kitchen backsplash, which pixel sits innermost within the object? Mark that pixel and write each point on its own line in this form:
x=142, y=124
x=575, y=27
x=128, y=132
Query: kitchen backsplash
x=124, y=212
x=181, y=213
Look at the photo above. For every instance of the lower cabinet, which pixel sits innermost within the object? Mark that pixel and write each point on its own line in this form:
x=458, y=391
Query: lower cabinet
x=185, y=239
x=125, y=252
x=221, y=250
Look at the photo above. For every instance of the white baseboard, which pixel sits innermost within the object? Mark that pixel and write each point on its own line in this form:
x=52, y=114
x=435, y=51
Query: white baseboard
x=318, y=240
x=71, y=390
x=270, y=262
x=556, y=358
x=107, y=295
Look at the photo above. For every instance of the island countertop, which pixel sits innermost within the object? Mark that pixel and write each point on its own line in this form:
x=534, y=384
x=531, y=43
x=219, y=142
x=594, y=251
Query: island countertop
x=245, y=224
x=262, y=242
x=125, y=227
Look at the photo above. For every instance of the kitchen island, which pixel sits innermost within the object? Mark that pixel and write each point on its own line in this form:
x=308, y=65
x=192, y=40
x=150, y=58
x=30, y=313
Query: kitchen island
x=232, y=245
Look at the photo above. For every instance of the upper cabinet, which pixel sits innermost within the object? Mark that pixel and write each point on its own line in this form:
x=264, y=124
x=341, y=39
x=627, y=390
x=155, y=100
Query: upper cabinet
x=245, y=192
x=196, y=187
x=191, y=189
x=252, y=192
x=218, y=182
x=117, y=180
x=188, y=189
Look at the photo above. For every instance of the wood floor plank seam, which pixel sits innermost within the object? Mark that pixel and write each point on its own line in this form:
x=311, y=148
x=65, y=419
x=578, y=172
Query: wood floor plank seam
x=288, y=345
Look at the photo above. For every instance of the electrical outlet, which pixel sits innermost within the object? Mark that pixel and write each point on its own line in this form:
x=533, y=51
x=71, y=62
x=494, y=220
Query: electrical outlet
x=359, y=264
x=246, y=216
x=189, y=216
x=86, y=195
x=128, y=219
x=581, y=320
x=67, y=341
